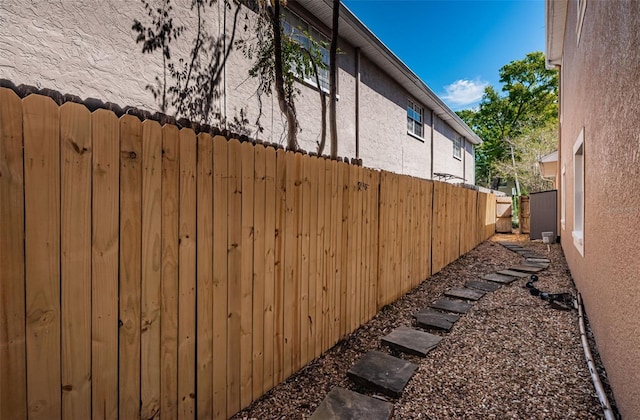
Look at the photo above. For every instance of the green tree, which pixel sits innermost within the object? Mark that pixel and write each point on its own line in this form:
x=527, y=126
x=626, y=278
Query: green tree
x=529, y=149
x=279, y=59
x=529, y=100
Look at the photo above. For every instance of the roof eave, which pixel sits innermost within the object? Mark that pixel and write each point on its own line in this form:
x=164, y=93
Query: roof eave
x=556, y=20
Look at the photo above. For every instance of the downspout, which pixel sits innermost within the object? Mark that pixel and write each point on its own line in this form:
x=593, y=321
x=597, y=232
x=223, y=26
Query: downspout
x=602, y=396
x=224, y=66
x=464, y=160
x=357, y=104
x=432, y=124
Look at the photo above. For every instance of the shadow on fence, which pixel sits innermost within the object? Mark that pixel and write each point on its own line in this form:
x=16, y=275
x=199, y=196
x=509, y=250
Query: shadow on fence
x=148, y=269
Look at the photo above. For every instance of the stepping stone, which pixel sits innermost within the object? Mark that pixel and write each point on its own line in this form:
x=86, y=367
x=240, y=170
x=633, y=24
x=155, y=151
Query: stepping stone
x=430, y=311
x=532, y=264
x=482, y=285
x=386, y=374
x=507, y=244
x=411, y=341
x=464, y=293
x=451, y=305
x=341, y=403
x=498, y=278
x=513, y=273
x=437, y=321
x=538, y=260
x=530, y=255
x=526, y=268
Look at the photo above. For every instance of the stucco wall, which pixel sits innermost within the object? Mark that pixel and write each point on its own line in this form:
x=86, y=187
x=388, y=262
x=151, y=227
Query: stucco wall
x=443, y=160
x=88, y=49
x=600, y=93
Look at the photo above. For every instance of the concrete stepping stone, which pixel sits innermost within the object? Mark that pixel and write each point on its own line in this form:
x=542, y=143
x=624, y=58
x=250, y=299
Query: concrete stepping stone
x=538, y=260
x=430, y=311
x=514, y=247
x=341, y=403
x=533, y=255
x=464, y=293
x=408, y=340
x=532, y=264
x=513, y=273
x=526, y=268
x=433, y=321
x=498, y=278
x=451, y=305
x=386, y=374
x=482, y=285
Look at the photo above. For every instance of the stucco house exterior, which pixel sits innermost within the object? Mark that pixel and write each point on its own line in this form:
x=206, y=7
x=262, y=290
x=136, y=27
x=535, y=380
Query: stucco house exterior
x=596, y=46
x=387, y=116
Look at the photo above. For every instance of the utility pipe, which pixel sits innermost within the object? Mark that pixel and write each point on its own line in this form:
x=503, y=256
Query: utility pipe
x=602, y=396
x=358, y=103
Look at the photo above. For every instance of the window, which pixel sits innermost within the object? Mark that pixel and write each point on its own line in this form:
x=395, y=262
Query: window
x=299, y=30
x=414, y=118
x=458, y=141
x=578, y=193
x=563, y=198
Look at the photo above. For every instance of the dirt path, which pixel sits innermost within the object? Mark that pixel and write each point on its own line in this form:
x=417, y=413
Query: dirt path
x=510, y=356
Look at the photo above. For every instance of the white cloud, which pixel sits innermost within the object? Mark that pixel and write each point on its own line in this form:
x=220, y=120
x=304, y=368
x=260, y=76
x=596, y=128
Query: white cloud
x=464, y=92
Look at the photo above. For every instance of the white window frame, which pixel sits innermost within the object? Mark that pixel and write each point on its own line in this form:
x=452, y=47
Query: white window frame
x=458, y=141
x=578, y=193
x=563, y=199
x=295, y=27
x=582, y=6
x=413, y=109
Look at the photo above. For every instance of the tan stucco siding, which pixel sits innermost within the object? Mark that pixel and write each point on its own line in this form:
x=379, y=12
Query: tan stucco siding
x=600, y=92
x=385, y=142
x=443, y=160
x=88, y=49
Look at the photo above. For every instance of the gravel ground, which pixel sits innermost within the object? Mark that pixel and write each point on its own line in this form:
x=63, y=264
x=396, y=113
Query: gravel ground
x=510, y=356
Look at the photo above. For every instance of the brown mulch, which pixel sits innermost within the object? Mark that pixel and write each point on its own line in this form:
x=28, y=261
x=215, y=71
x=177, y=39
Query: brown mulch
x=510, y=356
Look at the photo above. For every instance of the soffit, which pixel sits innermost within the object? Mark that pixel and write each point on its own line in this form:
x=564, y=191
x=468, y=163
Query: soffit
x=556, y=20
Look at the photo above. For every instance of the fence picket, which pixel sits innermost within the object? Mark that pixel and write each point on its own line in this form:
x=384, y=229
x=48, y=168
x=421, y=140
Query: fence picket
x=234, y=245
x=304, y=276
x=270, y=271
x=130, y=265
x=259, y=279
x=279, y=281
x=75, y=267
x=204, y=275
x=105, y=131
x=187, y=276
x=13, y=381
x=220, y=285
x=151, y=267
x=42, y=255
x=169, y=276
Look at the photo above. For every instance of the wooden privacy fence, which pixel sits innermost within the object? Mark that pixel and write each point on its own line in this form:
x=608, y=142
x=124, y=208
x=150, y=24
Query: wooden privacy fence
x=148, y=271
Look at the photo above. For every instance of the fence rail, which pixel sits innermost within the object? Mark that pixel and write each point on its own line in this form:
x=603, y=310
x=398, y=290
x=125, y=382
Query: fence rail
x=149, y=271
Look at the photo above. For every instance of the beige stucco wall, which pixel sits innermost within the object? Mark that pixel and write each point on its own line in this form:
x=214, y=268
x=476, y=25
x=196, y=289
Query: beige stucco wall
x=600, y=92
x=88, y=49
x=443, y=160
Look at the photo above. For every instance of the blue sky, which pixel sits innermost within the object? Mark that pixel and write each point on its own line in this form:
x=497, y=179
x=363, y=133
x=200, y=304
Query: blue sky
x=456, y=46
